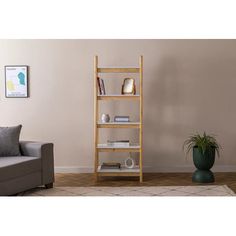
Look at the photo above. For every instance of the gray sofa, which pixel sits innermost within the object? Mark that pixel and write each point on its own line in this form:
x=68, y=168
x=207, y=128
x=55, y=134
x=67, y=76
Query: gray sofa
x=35, y=167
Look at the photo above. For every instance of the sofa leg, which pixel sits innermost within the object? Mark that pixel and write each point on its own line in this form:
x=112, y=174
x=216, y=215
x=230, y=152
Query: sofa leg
x=49, y=185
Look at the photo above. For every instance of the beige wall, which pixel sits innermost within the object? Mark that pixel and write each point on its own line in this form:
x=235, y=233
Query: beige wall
x=189, y=85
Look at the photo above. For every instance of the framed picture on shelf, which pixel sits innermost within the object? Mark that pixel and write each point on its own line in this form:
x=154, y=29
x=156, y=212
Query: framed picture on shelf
x=16, y=81
x=128, y=86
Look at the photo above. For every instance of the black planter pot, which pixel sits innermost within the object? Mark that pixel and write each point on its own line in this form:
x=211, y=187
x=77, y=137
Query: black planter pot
x=203, y=163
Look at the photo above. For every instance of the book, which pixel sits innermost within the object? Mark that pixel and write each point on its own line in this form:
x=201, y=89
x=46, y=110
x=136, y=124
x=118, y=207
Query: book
x=121, y=119
x=101, y=86
x=110, y=165
x=118, y=143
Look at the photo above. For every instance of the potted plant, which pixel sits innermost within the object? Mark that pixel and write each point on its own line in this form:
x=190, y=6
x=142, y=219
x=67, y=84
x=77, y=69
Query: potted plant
x=204, y=149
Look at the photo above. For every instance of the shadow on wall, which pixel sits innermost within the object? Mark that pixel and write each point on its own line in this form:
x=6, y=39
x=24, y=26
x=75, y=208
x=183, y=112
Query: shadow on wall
x=162, y=115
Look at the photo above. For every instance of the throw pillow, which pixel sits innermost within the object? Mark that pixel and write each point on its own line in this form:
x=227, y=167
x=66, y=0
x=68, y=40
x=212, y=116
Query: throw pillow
x=9, y=141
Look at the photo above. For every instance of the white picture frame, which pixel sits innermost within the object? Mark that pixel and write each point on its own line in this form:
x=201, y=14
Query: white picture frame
x=16, y=81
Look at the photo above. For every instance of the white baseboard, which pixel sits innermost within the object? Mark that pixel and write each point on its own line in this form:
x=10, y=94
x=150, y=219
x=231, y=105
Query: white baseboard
x=160, y=169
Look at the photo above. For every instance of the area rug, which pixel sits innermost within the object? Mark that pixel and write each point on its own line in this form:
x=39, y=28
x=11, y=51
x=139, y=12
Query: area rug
x=210, y=190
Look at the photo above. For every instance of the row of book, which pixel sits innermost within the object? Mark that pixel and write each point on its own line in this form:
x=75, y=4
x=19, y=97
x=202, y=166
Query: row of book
x=111, y=165
x=118, y=143
x=121, y=119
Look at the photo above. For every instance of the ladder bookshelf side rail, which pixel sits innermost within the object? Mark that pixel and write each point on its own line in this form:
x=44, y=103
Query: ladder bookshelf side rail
x=95, y=117
x=141, y=118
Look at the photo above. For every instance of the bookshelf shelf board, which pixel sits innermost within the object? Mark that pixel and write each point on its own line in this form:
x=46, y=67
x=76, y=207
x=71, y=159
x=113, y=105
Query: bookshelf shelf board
x=118, y=70
x=109, y=148
x=119, y=172
x=118, y=97
x=119, y=125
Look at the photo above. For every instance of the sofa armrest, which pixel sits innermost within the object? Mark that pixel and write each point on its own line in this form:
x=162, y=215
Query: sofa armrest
x=43, y=151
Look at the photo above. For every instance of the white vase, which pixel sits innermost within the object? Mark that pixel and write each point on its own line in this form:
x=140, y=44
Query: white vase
x=129, y=162
x=105, y=118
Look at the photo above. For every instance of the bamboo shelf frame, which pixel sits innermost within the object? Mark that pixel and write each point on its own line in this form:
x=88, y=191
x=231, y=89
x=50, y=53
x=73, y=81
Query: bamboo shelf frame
x=138, y=171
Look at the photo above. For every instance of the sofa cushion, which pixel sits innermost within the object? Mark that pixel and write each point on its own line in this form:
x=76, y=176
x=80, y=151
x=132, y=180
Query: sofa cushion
x=16, y=166
x=9, y=141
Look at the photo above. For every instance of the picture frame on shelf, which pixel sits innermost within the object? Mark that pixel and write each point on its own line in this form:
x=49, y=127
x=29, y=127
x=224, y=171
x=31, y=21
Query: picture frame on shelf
x=128, y=86
x=16, y=81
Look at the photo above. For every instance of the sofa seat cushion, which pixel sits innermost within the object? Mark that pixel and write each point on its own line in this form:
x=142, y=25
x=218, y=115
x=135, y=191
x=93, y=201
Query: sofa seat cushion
x=16, y=166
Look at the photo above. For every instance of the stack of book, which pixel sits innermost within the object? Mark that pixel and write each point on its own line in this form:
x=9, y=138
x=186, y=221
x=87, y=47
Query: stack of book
x=121, y=119
x=101, y=86
x=118, y=143
x=110, y=165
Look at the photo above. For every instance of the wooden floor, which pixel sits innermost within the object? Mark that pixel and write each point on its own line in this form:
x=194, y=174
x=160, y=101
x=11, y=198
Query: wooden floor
x=150, y=179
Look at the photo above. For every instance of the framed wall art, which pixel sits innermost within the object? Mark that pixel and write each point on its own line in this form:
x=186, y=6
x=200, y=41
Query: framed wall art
x=16, y=81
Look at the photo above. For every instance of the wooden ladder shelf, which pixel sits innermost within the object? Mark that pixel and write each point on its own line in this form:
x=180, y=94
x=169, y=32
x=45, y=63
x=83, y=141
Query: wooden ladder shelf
x=138, y=170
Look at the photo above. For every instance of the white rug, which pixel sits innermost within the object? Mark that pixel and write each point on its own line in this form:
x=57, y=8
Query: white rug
x=210, y=190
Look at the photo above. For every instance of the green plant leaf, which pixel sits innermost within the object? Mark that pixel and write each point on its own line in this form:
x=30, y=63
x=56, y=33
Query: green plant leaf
x=202, y=142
